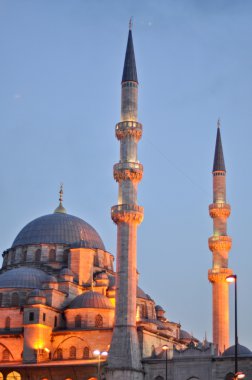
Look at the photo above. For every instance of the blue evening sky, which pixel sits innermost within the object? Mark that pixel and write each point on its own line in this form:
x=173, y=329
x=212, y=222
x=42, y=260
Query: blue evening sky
x=60, y=71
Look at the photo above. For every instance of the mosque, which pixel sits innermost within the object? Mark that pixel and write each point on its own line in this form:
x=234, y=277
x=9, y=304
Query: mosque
x=67, y=314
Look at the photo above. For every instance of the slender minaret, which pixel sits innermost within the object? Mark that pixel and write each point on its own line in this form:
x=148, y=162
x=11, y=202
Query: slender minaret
x=220, y=245
x=124, y=360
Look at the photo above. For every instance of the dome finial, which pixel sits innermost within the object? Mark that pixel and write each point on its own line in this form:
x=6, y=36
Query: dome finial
x=60, y=209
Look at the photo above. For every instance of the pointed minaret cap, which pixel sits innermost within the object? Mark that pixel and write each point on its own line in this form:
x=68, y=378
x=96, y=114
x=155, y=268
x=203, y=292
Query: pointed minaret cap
x=129, y=69
x=219, y=163
x=60, y=209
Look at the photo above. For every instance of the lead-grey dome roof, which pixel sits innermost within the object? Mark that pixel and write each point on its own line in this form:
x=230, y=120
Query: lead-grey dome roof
x=241, y=351
x=91, y=299
x=24, y=277
x=59, y=229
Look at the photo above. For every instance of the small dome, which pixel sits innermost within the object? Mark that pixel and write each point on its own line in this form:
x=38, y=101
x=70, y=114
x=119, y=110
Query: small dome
x=59, y=228
x=101, y=276
x=66, y=271
x=142, y=294
x=24, y=277
x=241, y=350
x=159, y=308
x=91, y=300
x=185, y=335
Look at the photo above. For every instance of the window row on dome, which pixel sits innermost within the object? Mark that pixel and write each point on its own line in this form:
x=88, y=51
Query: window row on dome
x=79, y=322
x=33, y=254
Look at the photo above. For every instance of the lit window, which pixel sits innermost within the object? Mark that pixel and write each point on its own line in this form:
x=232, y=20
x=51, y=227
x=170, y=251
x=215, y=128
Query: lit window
x=72, y=352
x=7, y=323
x=85, y=353
x=5, y=355
x=78, y=321
x=98, y=321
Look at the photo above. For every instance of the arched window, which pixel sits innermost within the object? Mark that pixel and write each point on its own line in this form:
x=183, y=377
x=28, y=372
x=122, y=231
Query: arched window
x=14, y=299
x=5, y=355
x=65, y=255
x=78, y=321
x=72, y=352
x=59, y=354
x=13, y=376
x=13, y=255
x=52, y=255
x=24, y=256
x=7, y=323
x=86, y=353
x=38, y=256
x=143, y=311
x=98, y=321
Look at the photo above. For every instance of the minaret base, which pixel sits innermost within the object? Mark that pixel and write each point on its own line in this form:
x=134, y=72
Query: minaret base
x=124, y=353
x=124, y=374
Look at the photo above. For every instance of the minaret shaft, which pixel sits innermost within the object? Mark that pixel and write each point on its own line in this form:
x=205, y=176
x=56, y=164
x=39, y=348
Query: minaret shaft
x=220, y=244
x=124, y=360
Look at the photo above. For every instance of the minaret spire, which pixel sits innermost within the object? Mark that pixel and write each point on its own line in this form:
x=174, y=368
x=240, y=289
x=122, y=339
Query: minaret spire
x=124, y=361
x=220, y=244
x=219, y=163
x=129, y=69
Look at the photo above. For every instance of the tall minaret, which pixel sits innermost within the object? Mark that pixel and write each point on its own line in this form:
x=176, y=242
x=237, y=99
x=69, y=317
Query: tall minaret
x=220, y=245
x=124, y=360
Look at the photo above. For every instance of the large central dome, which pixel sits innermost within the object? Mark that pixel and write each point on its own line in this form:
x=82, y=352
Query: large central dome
x=59, y=228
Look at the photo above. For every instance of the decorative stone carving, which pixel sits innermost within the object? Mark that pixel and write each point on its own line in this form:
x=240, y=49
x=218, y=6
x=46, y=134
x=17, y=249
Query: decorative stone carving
x=128, y=129
x=126, y=174
x=219, y=275
x=220, y=243
x=127, y=214
x=129, y=132
x=221, y=210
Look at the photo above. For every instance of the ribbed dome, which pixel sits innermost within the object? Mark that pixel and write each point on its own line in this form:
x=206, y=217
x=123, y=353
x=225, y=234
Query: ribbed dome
x=241, y=350
x=24, y=277
x=59, y=228
x=91, y=300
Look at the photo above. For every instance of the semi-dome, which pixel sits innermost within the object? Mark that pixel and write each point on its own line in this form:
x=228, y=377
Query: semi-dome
x=59, y=228
x=24, y=277
x=91, y=299
x=241, y=351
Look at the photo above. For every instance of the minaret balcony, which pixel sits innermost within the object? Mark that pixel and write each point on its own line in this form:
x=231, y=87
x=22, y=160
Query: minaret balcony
x=129, y=129
x=219, y=210
x=220, y=243
x=219, y=274
x=127, y=213
x=131, y=171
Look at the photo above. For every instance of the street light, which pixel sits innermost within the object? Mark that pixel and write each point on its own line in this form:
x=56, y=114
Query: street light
x=166, y=348
x=99, y=354
x=238, y=375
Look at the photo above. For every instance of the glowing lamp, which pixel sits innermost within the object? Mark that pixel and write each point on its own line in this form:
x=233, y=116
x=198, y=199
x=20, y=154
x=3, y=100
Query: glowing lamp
x=240, y=375
x=165, y=347
x=46, y=350
x=231, y=279
x=96, y=352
